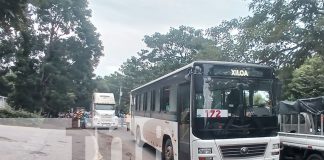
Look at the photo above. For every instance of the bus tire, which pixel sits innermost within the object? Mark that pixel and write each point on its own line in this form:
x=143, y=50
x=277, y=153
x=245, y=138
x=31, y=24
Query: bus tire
x=315, y=157
x=167, y=151
x=139, y=141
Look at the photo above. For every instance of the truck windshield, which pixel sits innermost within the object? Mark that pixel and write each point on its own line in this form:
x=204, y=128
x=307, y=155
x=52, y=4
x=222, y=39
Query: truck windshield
x=234, y=108
x=104, y=107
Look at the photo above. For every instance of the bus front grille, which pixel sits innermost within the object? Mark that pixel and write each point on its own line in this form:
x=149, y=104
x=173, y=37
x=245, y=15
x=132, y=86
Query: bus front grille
x=106, y=116
x=243, y=151
x=106, y=119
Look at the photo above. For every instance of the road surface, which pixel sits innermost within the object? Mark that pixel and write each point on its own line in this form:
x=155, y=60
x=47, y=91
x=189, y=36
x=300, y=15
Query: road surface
x=120, y=145
x=32, y=143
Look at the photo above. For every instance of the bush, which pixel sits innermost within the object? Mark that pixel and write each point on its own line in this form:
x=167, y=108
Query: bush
x=10, y=113
x=20, y=117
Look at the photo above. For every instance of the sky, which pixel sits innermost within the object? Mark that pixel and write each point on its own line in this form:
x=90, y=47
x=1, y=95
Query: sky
x=123, y=24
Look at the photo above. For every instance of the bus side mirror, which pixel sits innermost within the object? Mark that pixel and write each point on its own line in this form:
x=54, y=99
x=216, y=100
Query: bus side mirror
x=188, y=77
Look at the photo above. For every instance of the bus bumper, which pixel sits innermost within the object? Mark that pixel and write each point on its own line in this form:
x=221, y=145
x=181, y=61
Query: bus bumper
x=106, y=125
x=219, y=149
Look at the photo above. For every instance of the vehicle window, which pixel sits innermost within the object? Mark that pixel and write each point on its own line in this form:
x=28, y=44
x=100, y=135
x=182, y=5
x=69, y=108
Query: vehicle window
x=165, y=99
x=173, y=99
x=153, y=100
x=104, y=107
x=145, y=101
x=184, y=102
x=137, y=103
x=293, y=119
x=140, y=102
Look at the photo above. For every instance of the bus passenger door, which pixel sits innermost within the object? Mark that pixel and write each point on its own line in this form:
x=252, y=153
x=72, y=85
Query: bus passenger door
x=184, y=121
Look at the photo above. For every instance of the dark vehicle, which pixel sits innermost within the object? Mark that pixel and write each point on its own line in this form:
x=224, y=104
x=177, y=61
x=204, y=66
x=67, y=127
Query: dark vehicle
x=301, y=129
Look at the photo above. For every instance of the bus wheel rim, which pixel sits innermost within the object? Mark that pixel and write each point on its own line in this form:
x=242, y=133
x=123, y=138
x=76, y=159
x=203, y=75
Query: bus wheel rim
x=168, y=152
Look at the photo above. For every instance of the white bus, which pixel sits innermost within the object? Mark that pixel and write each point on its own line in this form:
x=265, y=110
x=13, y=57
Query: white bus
x=209, y=110
x=103, y=111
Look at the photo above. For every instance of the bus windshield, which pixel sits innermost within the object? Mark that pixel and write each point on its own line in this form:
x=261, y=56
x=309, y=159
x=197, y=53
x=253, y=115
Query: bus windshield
x=104, y=107
x=234, y=108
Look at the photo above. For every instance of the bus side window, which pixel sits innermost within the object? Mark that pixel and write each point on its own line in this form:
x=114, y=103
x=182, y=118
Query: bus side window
x=140, y=102
x=136, y=103
x=145, y=101
x=153, y=100
x=148, y=101
x=173, y=99
x=165, y=99
x=157, y=101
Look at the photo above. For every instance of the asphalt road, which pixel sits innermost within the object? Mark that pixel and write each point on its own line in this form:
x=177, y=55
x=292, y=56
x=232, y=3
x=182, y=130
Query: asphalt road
x=120, y=145
x=32, y=143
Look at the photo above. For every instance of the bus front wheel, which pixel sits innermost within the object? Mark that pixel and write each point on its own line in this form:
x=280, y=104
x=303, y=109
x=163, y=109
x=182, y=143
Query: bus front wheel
x=315, y=157
x=168, y=150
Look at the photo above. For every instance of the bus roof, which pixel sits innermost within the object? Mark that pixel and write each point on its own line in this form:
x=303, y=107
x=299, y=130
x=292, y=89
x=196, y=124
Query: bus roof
x=203, y=62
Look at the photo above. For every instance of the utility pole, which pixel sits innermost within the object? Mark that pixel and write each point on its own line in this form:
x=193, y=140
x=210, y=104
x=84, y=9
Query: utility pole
x=120, y=95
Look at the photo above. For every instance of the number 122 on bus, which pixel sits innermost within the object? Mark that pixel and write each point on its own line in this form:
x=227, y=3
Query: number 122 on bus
x=212, y=113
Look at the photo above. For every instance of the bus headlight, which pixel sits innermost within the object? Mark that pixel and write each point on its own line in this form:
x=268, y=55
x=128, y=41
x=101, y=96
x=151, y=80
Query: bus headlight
x=276, y=146
x=205, y=158
x=275, y=153
x=204, y=150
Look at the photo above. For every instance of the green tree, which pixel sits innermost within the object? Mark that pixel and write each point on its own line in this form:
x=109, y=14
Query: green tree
x=279, y=33
x=164, y=53
x=290, y=31
x=101, y=84
x=134, y=72
x=230, y=42
x=12, y=20
x=308, y=79
x=55, y=63
x=167, y=52
x=12, y=13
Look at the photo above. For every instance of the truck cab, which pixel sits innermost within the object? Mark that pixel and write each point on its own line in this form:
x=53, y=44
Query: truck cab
x=104, y=111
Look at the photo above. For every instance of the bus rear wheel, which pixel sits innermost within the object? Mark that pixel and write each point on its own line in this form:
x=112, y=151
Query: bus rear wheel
x=167, y=153
x=315, y=157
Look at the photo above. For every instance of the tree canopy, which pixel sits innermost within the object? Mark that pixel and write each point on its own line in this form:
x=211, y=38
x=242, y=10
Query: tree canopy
x=308, y=79
x=49, y=62
x=280, y=33
x=48, y=51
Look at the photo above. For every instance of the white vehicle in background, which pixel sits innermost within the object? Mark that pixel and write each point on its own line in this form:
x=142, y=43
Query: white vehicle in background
x=103, y=112
x=301, y=126
x=3, y=102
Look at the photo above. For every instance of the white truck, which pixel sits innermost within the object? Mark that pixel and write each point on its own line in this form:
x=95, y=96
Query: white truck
x=103, y=111
x=301, y=129
x=3, y=102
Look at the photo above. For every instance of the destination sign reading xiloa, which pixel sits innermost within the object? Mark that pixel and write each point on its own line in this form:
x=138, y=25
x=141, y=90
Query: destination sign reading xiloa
x=237, y=72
